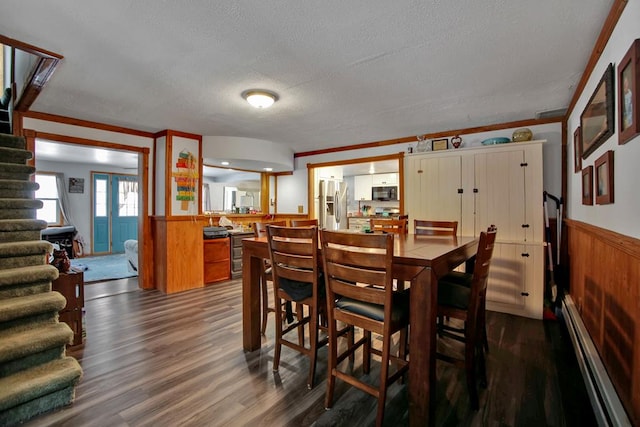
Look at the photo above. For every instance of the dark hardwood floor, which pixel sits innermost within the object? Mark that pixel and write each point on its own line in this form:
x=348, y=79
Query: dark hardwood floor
x=177, y=360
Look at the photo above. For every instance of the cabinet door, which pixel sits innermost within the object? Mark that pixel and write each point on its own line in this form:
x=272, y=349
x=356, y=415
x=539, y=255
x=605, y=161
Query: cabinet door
x=362, y=190
x=500, y=196
x=434, y=184
x=516, y=279
x=382, y=179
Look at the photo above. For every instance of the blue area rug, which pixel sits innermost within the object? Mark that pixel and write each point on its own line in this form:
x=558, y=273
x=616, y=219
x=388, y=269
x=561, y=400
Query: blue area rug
x=99, y=268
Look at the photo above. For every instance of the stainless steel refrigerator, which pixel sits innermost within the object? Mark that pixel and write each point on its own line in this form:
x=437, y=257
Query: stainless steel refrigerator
x=332, y=205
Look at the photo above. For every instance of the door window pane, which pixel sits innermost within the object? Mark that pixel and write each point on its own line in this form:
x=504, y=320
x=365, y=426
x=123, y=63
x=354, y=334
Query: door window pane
x=127, y=198
x=101, y=197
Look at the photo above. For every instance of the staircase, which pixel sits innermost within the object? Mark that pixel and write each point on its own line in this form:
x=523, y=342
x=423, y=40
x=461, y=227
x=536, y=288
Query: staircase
x=35, y=374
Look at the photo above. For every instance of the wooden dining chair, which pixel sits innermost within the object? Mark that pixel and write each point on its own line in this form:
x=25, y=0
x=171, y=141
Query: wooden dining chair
x=467, y=304
x=359, y=285
x=388, y=225
x=304, y=222
x=260, y=230
x=435, y=228
x=296, y=277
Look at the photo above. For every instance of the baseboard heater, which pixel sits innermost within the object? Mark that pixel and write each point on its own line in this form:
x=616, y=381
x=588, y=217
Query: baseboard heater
x=605, y=401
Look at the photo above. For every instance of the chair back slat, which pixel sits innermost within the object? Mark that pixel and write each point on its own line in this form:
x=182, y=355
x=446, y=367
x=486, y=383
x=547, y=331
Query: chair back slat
x=358, y=266
x=293, y=253
x=260, y=228
x=481, y=273
x=435, y=228
x=397, y=226
x=304, y=222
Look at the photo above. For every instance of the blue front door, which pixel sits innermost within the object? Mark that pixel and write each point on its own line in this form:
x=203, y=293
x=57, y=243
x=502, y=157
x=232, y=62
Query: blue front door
x=101, y=210
x=124, y=211
x=115, y=211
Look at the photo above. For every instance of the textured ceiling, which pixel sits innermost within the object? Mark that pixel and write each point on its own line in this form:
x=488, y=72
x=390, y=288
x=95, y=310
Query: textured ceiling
x=346, y=72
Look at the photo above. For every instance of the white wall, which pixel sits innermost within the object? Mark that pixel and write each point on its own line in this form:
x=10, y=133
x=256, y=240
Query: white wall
x=80, y=202
x=552, y=151
x=98, y=135
x=623, y=215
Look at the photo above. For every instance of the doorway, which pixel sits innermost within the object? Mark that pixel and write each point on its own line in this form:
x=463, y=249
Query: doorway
x=115, y=211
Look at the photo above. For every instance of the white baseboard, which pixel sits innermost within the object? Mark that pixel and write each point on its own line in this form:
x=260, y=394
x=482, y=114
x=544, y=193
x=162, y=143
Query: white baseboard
x=605, y=401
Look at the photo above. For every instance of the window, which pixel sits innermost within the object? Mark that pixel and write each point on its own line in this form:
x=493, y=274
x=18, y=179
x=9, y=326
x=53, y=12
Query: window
x=48, y=194
x=127, y=197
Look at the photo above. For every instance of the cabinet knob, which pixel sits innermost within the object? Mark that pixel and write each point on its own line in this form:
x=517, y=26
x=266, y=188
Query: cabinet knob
x=525, y=225
x=524, y=294
x=526, y=255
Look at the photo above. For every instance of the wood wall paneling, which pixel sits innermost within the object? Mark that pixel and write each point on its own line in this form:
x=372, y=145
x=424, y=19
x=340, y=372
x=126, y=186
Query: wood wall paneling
x=605, y=283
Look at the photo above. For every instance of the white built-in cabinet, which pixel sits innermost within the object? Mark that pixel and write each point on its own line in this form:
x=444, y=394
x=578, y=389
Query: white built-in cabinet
x=384, y=179
x=480, y=186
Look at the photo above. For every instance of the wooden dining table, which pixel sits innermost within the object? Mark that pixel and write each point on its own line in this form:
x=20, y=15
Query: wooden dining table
x=418, y=259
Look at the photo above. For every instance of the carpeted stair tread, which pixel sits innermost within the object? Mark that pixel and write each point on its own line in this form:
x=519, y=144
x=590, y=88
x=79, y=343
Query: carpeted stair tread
x=7, y=225
x=14, y=155
x=14, y=171
x=17, y=189
x=30, y=247
x=18, y=230
x=38, y=381
x=12, y=141
x=20, y=204
x=30, y=305
x=31, y=274
x=15, y=345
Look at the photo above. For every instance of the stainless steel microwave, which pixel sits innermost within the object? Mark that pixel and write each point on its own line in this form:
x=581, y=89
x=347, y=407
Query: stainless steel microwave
x=384, y=193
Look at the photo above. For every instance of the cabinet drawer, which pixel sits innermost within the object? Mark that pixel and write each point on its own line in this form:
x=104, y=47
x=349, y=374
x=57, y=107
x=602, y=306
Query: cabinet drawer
x=216, y=250
x=216, y=271
x=237, y=265
x=236, y=253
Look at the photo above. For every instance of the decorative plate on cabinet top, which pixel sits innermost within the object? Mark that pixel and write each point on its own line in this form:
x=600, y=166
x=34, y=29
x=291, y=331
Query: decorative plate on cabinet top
x=499, y=140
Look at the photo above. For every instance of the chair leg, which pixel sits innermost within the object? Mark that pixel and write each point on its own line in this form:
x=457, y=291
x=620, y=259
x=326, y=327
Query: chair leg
x=300, y=315
x=313, y=344
x=265, y=302
x=278, y=341
x=384, y=376
x=366, y=352
x=482, y=367
x=331, y=363
x=470, y=373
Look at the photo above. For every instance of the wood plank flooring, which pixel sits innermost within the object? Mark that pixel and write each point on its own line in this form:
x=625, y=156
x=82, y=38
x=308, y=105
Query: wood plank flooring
x=177, y=360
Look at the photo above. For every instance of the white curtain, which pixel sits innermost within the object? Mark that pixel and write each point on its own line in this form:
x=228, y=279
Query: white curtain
x=65, y=209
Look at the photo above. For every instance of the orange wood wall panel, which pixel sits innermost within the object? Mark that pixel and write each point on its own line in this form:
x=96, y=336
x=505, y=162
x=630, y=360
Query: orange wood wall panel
x=605, y=285
x=178, y=253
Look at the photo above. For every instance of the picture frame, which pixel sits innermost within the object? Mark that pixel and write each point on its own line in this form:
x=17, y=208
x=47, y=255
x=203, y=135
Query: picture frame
x=440, y=144
x=577, y=151
x=603, y=170
x=76, y=185
x=597, y=120
x=628, y=87
x=587, y=185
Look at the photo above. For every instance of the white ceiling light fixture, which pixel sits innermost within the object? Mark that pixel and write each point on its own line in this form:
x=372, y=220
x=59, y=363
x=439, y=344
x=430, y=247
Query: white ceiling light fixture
x=224, y=163
x=259, y=98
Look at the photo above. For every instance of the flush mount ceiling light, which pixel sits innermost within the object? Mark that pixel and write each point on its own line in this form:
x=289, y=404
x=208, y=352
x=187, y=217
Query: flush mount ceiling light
x=259, y=98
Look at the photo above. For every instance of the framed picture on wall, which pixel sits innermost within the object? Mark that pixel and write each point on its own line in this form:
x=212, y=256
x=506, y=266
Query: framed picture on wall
x=440, y=144
x=597, y=119
x=76, y=185
x=587, y=185
x=577, y=151
x=603, y=168
x=628, y=83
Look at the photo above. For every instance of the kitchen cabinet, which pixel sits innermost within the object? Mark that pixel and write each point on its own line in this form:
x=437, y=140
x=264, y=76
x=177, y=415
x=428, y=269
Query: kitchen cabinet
x=236, y=252
x=480, y=186
x=363, y=184
x=362, y=187
x=383, y=179
x=216, y=260
x=330, y=172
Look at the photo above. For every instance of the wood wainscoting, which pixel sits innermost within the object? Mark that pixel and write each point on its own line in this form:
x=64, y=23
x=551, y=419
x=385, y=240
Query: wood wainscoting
x=605, y=286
